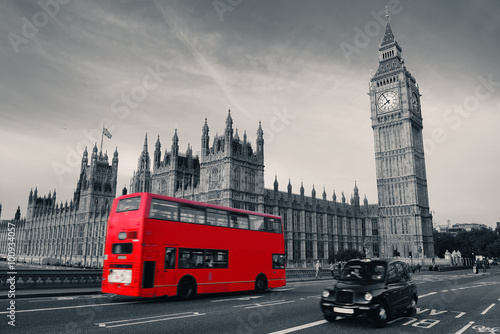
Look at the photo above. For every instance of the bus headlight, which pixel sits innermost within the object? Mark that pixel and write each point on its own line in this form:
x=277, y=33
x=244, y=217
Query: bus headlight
x=325, y=293
x=368, y=296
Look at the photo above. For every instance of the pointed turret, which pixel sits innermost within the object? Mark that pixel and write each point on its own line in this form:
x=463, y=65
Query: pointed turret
x=205, y=138
x=313, y=193
x=301, y=188
x=229, y=122
x=175, y=144
x=157, y=154
x=260, y=141
x=94, y=152
x=17, y=217
x=114, y=166
x=388, y=35
x=289, y=187
x=390, y=54
x=189, y=156
x=144, y=160
x=355, y=198
x=275, y=183
x=228, y=134
x=324, y=194
x=145, y=147
x=85, y=158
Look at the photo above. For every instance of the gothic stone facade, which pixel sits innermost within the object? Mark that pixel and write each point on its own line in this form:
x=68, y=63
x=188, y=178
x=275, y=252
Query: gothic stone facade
x=231, y=173
x=72, y=233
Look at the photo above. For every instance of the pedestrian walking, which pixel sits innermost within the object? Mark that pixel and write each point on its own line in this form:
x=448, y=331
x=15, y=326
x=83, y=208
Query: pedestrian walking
x=318, y=269
x=332, y=268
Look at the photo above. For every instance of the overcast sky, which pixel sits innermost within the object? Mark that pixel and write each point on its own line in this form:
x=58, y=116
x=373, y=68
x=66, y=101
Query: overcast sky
x=301, y=68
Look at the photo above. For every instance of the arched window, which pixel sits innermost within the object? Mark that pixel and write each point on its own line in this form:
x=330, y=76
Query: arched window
x=251, y=182
x=214, y=177
x=237, y=178
x=163, y=187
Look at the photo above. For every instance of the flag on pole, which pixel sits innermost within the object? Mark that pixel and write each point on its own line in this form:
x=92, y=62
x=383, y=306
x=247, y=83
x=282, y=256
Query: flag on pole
x=106, y=132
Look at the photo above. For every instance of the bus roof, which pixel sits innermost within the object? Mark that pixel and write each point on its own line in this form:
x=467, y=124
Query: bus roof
x=187, y=201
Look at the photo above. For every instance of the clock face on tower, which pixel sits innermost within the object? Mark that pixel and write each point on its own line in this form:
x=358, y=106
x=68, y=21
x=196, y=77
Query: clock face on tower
x=387, y=101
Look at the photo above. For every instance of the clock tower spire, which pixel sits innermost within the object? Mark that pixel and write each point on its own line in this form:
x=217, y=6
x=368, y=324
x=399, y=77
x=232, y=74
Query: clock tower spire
x=399, y=154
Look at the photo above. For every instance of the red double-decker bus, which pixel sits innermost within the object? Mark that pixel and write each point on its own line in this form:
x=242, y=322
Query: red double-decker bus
x=164, y=246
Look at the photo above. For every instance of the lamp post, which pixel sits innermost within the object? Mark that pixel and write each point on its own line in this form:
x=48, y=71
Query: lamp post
x=418, y=248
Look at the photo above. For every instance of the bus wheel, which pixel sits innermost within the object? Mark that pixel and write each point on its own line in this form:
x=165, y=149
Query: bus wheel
x=186, y=289
x=260, y=283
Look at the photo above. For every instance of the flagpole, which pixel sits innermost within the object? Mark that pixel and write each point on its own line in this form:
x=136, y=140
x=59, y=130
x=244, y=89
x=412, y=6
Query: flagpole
x=102, y=136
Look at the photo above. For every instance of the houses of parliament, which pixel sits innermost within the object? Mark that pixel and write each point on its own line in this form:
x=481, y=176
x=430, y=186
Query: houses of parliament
x=229, y=171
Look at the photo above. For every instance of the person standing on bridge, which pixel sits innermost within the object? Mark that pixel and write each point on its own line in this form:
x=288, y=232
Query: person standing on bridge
x=318, y=269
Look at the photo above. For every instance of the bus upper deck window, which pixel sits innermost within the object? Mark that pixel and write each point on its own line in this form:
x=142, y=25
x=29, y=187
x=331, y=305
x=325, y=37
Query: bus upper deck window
x=165, y=210
x=128, y=204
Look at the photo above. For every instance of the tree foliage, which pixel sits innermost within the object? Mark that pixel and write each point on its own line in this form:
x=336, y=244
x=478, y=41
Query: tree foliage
x=482, y=241
x=348, y=254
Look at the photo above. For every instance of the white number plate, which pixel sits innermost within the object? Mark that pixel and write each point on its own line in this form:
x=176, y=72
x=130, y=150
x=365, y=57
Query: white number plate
x=343, y=310
x=120, y=276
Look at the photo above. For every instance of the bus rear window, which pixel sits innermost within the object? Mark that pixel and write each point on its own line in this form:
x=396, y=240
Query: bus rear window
x=122, y=248
x=128, y=204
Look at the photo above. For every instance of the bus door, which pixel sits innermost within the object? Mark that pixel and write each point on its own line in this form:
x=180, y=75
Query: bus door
x=278, y=272
x=168, y=275
x=149, y=269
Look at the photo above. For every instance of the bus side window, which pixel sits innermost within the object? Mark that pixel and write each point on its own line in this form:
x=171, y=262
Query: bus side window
x=169, y=258
x=277, y=226
x=273, y=225
x=216, y=258
x=216, y=217
x=163, y=210
x=257, y=223
x=192, y=214
x=238, y=221
x=190, y=258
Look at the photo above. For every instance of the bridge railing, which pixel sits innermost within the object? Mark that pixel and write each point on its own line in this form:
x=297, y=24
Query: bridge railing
x=42, y=279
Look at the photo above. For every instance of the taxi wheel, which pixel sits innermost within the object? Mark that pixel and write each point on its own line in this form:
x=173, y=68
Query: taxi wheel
x=381, y=320
x=330, y=318
x=412, y=310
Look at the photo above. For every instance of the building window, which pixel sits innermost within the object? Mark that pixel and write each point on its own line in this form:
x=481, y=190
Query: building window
x=237, y=178
x=251, y=182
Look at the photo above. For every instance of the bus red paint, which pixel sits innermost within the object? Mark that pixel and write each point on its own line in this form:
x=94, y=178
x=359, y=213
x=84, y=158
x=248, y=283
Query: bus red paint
x=164, y=246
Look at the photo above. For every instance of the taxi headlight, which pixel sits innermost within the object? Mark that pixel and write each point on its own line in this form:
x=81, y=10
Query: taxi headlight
x=368, y=296
x=325, y=293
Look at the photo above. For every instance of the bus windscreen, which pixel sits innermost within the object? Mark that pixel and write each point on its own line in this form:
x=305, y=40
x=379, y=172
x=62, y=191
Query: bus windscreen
x=128, y=204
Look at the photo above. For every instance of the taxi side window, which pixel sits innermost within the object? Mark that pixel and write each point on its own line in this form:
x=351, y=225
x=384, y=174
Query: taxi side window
x=392, y=274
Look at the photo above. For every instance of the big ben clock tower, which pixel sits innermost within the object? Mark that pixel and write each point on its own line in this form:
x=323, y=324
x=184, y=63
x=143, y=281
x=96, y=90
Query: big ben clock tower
x=404, y=217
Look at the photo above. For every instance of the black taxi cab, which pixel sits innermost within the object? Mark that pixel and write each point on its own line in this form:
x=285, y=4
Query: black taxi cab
x=373, y=289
